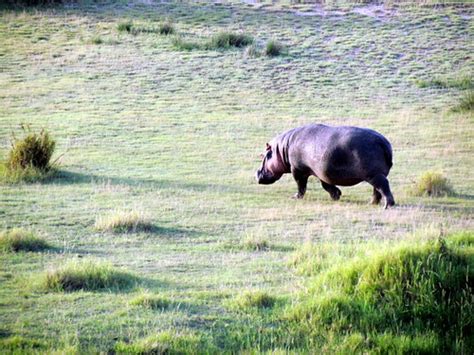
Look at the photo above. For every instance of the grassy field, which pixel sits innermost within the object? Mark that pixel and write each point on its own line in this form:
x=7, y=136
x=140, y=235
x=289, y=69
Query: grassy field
x=171, y=138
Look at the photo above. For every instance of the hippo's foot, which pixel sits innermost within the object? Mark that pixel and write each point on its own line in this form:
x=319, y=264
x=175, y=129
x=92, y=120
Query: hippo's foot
x=389, y=202
x=297, y=196
x=335, y=194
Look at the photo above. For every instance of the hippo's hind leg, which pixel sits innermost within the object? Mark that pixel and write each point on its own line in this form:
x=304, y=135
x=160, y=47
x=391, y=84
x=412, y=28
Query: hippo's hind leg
x=334, y=192
x=302, y=181
x=380, y=183
x=376, y=197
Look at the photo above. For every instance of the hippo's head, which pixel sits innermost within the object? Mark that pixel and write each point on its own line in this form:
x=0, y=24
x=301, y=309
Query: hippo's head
x=272, y=167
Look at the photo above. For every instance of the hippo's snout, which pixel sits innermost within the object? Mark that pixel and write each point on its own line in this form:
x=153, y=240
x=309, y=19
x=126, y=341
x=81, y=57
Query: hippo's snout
x=264, y=178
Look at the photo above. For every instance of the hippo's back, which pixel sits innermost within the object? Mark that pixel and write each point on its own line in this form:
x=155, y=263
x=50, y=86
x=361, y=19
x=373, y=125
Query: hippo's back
x=343, y=155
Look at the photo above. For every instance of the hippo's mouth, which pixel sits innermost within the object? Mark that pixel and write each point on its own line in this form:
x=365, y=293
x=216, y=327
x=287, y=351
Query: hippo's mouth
x=263, y=178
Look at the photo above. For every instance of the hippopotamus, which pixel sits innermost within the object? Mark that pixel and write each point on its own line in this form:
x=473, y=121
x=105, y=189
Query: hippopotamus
x=336, y=155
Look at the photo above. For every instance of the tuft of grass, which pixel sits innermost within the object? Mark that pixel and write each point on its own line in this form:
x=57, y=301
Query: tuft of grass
x=419, y=298
x=166, y=28
x=466, y=103
x=17, y=239
x=151, y=301
x=20, y=345
x=273, y=48
x=255, y=243
x=432, y=184
x=125, y=26
x=256, y=299
x=183, y=44
x=253, y=51
x=123, y=222
x=88, y=276
x=166, y=342
x=97, y=40
x=462, y=82
x=33, y=150
x=225, y=40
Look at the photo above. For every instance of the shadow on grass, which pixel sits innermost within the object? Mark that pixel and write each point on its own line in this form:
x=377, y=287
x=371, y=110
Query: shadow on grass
x=64, y=177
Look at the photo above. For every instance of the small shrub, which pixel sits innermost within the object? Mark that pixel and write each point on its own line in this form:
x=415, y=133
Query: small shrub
x=34, y=150
x=185, y=45
x=87, y=276
x=466, y=103
x=151, y=301
x=15, y=240
x=166, y=28
x=166, y=342
x=432, y=184
x=273, y=49
x=258, y=299
x=126, y=26
x=123, y=222
x=224, y=40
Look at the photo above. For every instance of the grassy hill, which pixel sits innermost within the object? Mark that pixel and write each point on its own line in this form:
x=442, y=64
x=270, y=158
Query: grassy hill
x=164, y=131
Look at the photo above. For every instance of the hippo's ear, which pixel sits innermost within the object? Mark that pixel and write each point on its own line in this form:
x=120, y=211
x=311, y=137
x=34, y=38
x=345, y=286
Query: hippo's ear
x=269, y=147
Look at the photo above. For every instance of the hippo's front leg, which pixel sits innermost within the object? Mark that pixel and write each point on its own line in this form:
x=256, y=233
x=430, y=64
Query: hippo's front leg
x=302, y=181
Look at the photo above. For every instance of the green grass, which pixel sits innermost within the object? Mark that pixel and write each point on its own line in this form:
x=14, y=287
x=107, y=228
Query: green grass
x=17, y=239
x=151, y=301
x=88, y=276
x=176, y=134
x=258, y=299
x=417, y=298
x=224, y=40
x=462, y=82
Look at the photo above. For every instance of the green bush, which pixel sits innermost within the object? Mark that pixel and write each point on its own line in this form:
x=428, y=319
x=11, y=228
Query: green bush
x=432, y=184
x=15, y=240
x=88, y=276
x=123, y=222
x=420, y=299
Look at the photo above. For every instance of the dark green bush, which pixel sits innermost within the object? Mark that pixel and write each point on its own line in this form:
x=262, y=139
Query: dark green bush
x=466, y=103
x=15, y=240
x=273, y=48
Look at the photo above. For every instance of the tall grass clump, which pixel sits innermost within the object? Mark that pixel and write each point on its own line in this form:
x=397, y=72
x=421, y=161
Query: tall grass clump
x=17, y=239
x=166, y=28
x=183, y=44
x=256, y=300
x=462, y=82
x=273, y=48
x=151, y=301
x=466, y=103
x=432, y=184
x=29, y=158
x=166, y=342
x=125, y=26
x=224, y=40
x=416, y=298
x=88, y=276
x=123, y=222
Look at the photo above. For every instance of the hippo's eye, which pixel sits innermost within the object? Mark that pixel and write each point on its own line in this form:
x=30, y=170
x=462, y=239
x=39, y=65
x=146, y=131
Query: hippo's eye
x=269, y=154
